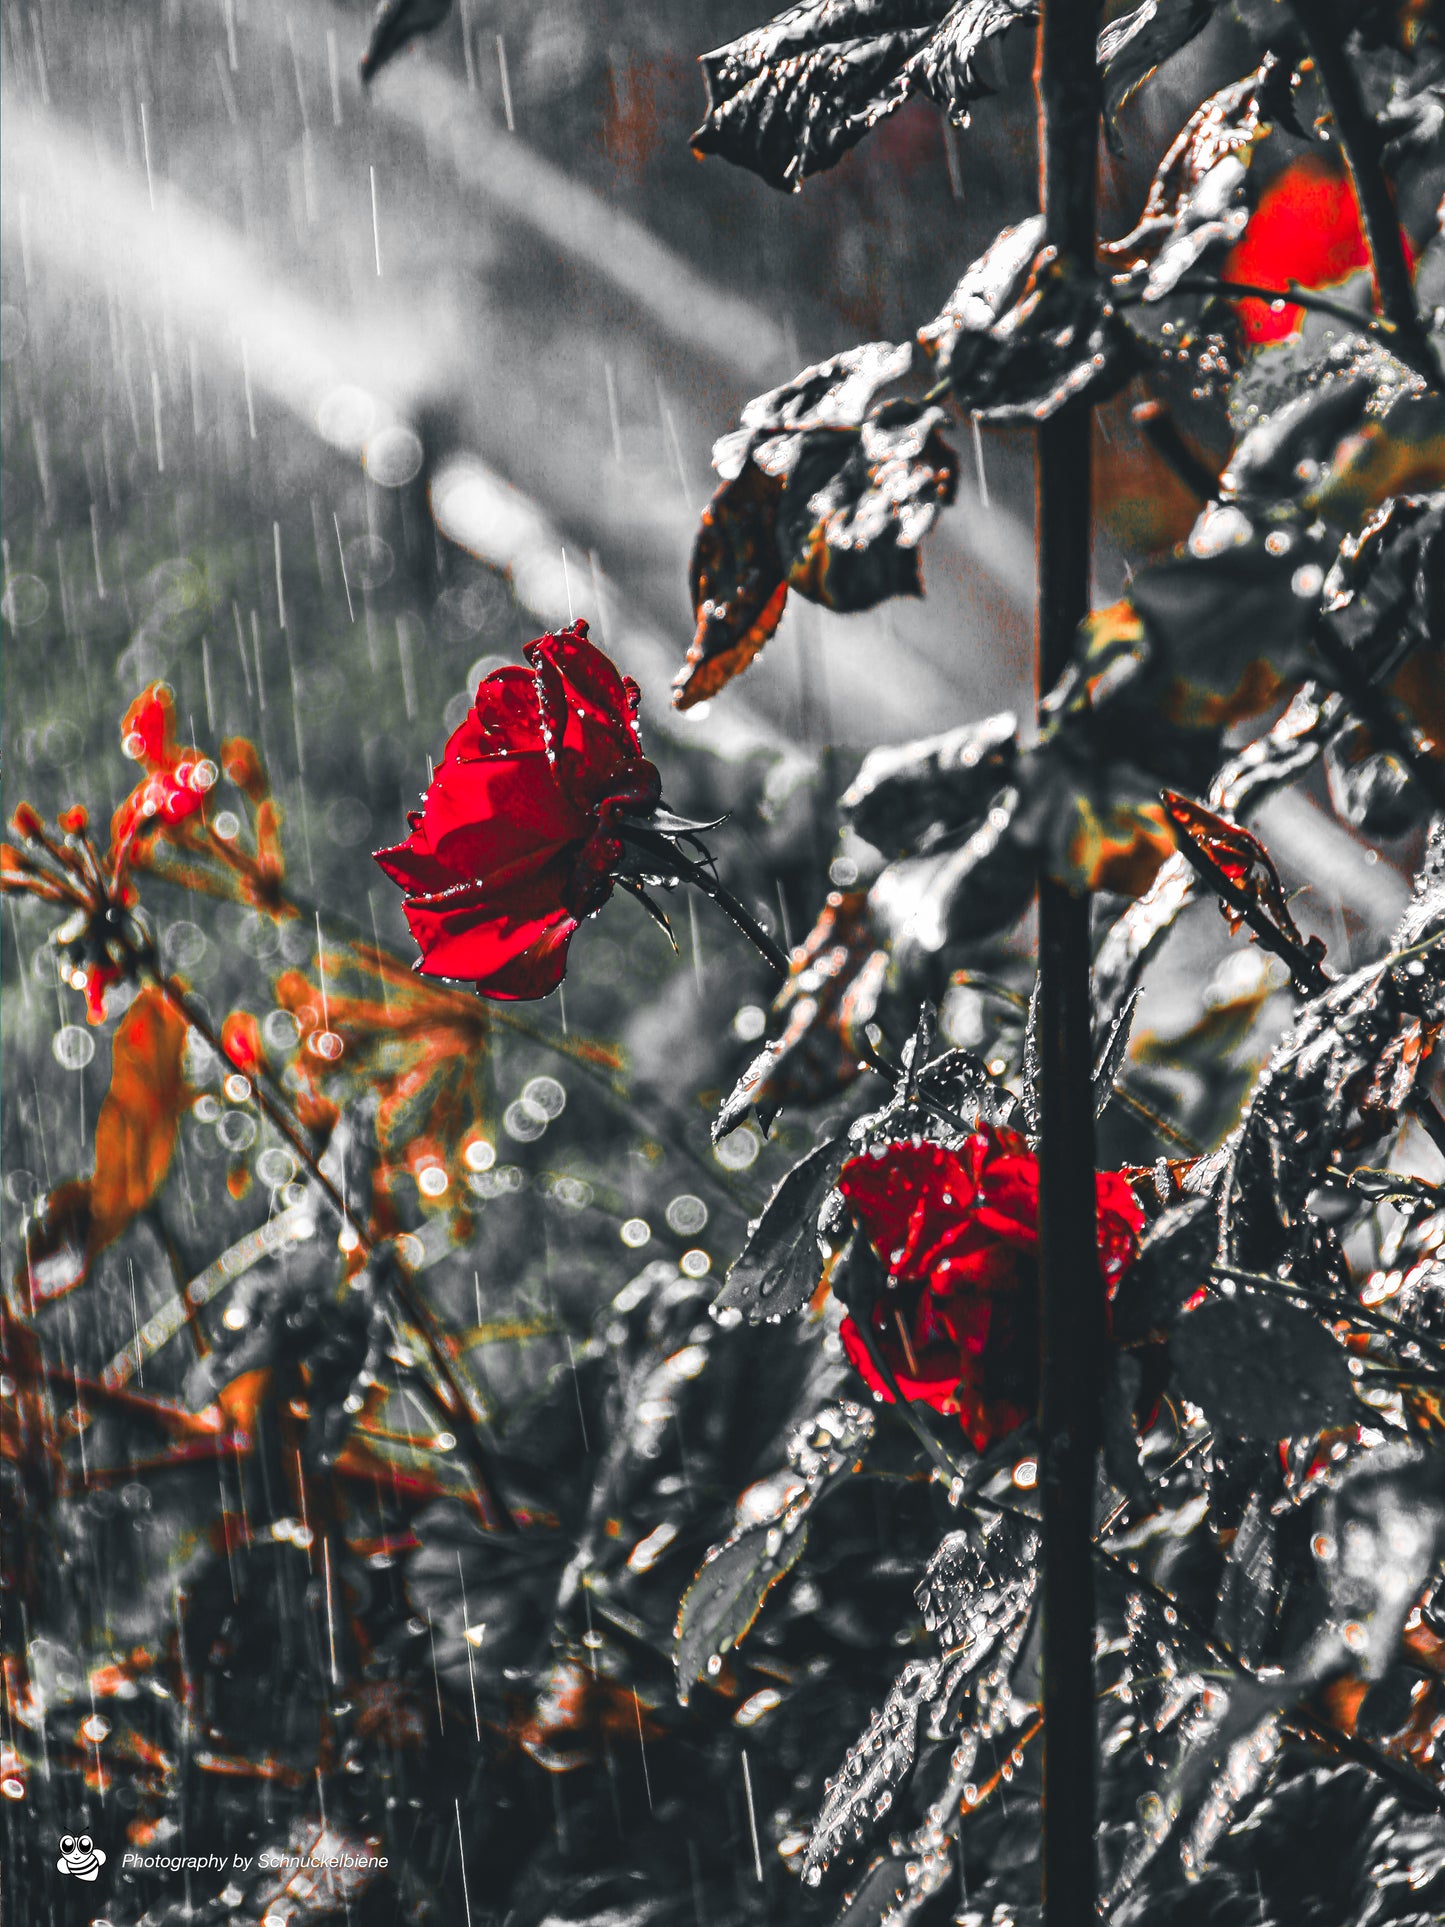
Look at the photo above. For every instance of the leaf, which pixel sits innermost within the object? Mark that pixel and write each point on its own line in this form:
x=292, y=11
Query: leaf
x=1381, y=1530
x=1250, y=890
x=975, y=1599
x=987, y=290
x=908, y=797
x=766, y=1540
x=857, y=505
x=1020, y=336
x=1287, y=748
x=1111, y=1056
x=835, y=979
x=789, y=99
x=135, y=1130
x=1131, y=47
x=1173, y=1263
x=736, y=581
x=1195, y=203
x=780, y=1266
x=395, y=24
x=1337, y=1083
x=1261, y=1370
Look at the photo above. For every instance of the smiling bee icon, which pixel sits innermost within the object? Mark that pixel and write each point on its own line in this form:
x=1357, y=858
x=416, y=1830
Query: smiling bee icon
x=79, y=1857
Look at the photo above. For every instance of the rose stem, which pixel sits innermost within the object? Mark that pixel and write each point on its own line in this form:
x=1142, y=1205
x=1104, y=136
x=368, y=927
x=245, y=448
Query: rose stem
x=702, y=879
x=457, y=1405
x=1072, y=1301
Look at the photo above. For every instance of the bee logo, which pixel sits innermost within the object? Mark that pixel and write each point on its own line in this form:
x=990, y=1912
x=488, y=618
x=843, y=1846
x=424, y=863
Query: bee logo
x=79, y=1857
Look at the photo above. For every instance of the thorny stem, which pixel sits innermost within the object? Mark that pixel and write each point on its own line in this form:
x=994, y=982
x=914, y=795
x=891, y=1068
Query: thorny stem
x=1294, y=296
x=697, y=874
x=456, y=1403
x=1360, y=141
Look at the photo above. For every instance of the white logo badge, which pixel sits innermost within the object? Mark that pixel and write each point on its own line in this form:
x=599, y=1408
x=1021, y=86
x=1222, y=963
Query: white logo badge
x=79, y=1857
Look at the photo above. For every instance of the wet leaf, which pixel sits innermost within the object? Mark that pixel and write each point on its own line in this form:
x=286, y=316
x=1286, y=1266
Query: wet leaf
x=907, y=798
x=835, y=979
x=1261, y=1370
x=1173, y=1263
x=1111, y=1055
x=857, y=505
x=135, y=1137
x=1131, y=47
x=766, y=1541
x=1195, y=207
x=781, y=1264
x=975, y=1599
x=788, y=99
x=1381, y=1531
x=1056, y=338
x=737, y=584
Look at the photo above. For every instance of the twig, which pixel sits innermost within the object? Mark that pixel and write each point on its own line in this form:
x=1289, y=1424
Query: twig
x=1359, y=137
x=456, y=1403
x=1294, y=296
x=1351, y=1313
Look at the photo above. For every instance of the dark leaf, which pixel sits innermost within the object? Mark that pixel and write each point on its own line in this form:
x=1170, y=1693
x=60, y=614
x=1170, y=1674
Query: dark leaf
x=766, y=1540
x=1173, y=1263
x=1195, y=206
x=1053, y=336
x=822, y=492
x=736, y=578
x=835, y=980
x=975, y=1599
x=395, y=25
x=1385, y=594
x=909, y=797
x=1131, y=47
x=1337, y=1083
x=858, y=503
x=781, y=1265
x=1112, y=1053
x=1261, y=1370
x=1247, y=778
x=788, y=99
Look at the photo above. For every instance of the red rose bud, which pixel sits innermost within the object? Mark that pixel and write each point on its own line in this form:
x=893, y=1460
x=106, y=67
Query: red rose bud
x=516, y=841
x=957, y=1232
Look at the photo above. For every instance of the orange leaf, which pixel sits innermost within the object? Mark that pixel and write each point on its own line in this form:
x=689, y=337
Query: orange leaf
x=135, y=1132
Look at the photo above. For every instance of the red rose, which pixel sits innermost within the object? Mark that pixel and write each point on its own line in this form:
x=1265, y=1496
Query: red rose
x=958, y=1234
x=515, y=842
x=1306, y=230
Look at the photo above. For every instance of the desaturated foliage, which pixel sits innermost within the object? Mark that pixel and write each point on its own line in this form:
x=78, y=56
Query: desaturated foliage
x=366, y=1496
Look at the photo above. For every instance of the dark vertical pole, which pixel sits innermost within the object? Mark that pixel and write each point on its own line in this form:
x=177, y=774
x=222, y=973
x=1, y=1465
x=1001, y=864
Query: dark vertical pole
x=1072, y=1297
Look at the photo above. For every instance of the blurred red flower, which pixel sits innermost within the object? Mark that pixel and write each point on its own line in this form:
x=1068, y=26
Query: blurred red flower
x=1305, y=230
x=515, y=843
x=958, y=1233
x=176, y=780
